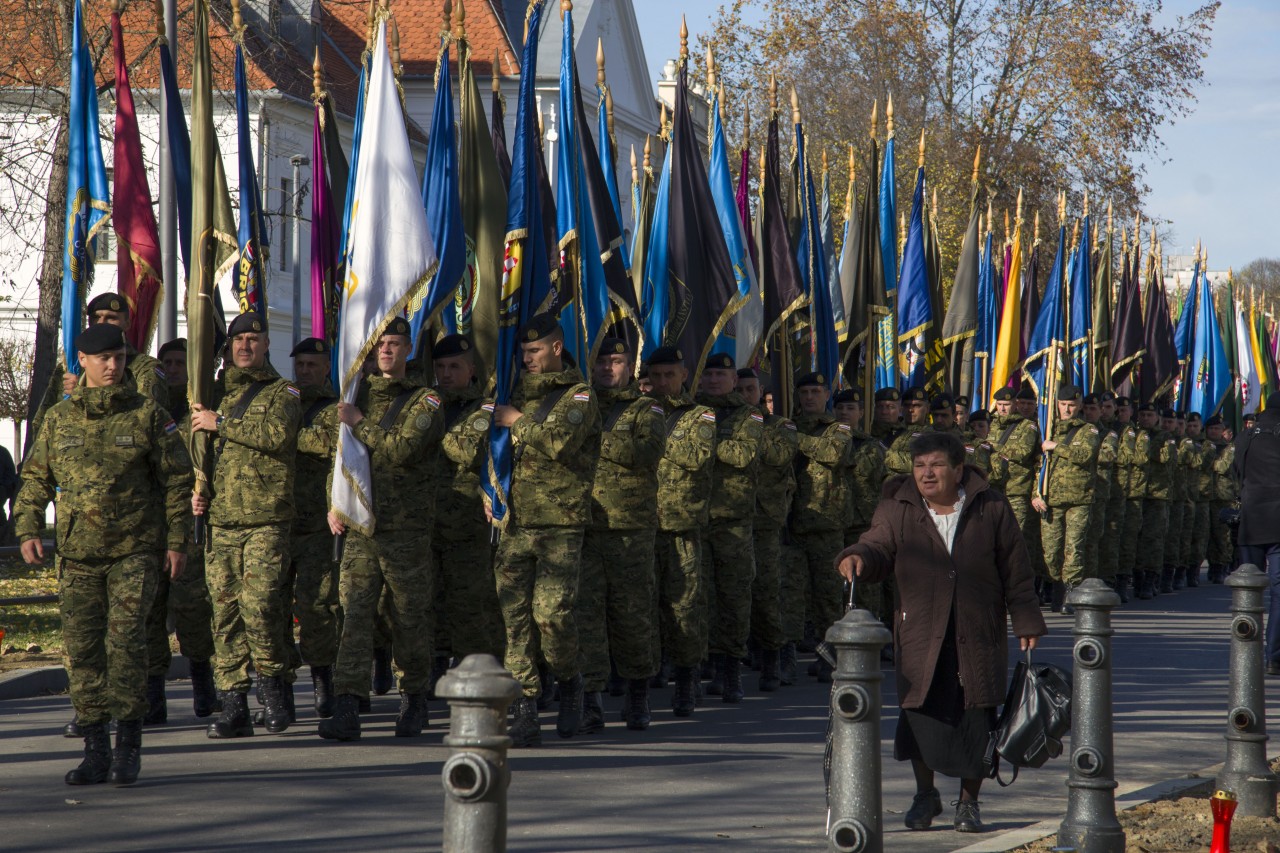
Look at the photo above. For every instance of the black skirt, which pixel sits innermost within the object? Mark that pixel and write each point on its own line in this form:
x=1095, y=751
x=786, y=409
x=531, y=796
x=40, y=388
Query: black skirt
x=943, y=734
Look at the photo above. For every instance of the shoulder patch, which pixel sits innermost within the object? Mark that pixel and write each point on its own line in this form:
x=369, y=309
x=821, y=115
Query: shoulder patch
x=844, y=427
x=574, y=416
x=423, y=421
x=789, y=425
x=708, y=416
x=293, y=390
x=160, y=373
x=170, y=427
x=658, y=410
x=582, y=396
x=1093, y=430
x=432, y=400
x=758, y=418
x=488, y=407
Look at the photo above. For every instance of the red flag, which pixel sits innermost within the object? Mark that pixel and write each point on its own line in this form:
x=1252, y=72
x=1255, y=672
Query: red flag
x=138, y=254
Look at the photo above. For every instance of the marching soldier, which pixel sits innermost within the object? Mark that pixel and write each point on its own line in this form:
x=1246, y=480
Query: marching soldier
x=1015, y=456
x=616, y=585
x=684, y=501
x=555, y=426
x=960, y=413
x=1174, y=422
x=1162, y=453
x=866, y=475
x=1224, y=494
x=897, y=460
x=115, y=463
x=173, y=358
x=1108, y=453
x=887, y=422
x=1118, y=554
x=256, y=430
x=1202, y=489
x=399, y=421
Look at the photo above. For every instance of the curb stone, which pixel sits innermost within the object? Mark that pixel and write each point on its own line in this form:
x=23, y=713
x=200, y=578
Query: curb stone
x=46, y=680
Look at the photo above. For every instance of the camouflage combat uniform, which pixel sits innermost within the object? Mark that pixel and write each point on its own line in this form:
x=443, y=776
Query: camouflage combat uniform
x=866, y=476
x=977, y=450
x=313, y=575
x=1015, y=459
x=143, y=373
x=1162, y=452
x=1205, y=491
x=775, y=485
x=1177, y=502
x=616, y=583
x=1135, y=449
x=897, y=459
x=1225, y=494
x=115, y=464
x=540, y=552
x=1099, y=515
x=1069, y=486
x=819, y=512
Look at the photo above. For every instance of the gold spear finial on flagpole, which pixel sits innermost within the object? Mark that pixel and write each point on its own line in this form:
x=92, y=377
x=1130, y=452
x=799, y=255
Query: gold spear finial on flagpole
x=1110, y=211
x=1062, y=208
x=933, y=203
x=495, y=79
x=648, y=151
x=1008, y=235
x=875, y=108
x=396, y=67
x=1075, y=235
x=888, y=114
x=600, y=76
x=977, y=158
x=1017, y=210
x=159, y=12
x=921, y=148
x=1035, y=229
x=565, y=6
x=795, y=106
x=662, y=120
x=980, y=231
x=608, y=111
x=746, y=126
x=635, y=167
x=991, y=217
x=684, y=40
x=848, y=196
x=237, y=23
x=711, y=70
x=317, y=78
x=459, y=22
x=1086, y=202
x=824, y=163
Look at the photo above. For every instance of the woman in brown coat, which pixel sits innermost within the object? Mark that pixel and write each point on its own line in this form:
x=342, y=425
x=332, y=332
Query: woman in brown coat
x=954, y=547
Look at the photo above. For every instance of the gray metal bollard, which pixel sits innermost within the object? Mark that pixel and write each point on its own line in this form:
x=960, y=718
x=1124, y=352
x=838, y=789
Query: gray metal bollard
x=1246, y=772
x=854, y=825
x=476, y=775
x=1090, y=825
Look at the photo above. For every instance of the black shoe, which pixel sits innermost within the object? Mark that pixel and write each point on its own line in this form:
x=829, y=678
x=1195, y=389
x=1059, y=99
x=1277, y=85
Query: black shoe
x=73, y=729
x=157, y=708
x=924, y=808
x=1166, y=579
x=1179, y=578
x=716, y=687
x=732, y=680
x=592, y=713
x=616, y=685
x=345, y=723
x=662, y=676
x=363, y=704
x=1145, y=581
x=525, y=729
x=275, y=708
x=770, y=678
x=967, y=817
x=126, y=758
x=809, y=641
x=824, y=671
x=234, y=720
x=1123, y=588
x=637, y=706
x=1273, y=669
x=1057, y=596
x=1217, y=574
x=439, y=666
x=787, y=665
x=1193, y=577
x=322, y=684
x=286, y=690
x=204, y=698
x=97, y=756
x=570, y=717
x=548, y=692
x=383, y=678
x=412, y=718
x=683, y=700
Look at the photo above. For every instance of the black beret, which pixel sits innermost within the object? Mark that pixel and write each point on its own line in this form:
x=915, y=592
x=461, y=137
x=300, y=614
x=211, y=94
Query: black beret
x=979, y=415
x=1250, y=418
x=811, y=379
x=249, y=321
x=1179, y=416
x=1148, y=407
x=106, y=302
x=942, y=403
x=1216, y=420
x=848, y=395
x=747, y=373
x=888, y=395
x=451, y=345
x=1123, y=401
x=720, y=360
x=100, y=337
x=1193, y=416
x=539, y=327
x=1068, y=392
x=1004, y=395
x=398, y=326
x=914, y=394
x=1092, y=399
x=666, y=355
x=962, y=401
x=1025, y=394
x=1168, y=413
x=178, y=344
x=614, y=346
x=643, y=372
x=1273, y=401
x=1107, y=397
x=310, y=346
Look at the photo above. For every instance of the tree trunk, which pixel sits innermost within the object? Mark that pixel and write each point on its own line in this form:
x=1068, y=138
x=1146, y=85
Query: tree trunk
x=49, y=317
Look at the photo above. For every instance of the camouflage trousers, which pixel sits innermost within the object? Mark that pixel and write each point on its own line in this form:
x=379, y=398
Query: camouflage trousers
x=246, y=569
x=1219, y=548
x=1109, y=537
x=613, y=610
x=1151, y=538
x=875, y=598
x=795, y=591
x=184, y=601
x=1199, y=535
x=819, y=552
x=728, y=567
x=766, y=587
x=1185, y=532
x=104, y=607
x=1173, y=534
x=1093, y=540
x=397, y=565
x=682, y=634
x=315, y=598
x=1127, y=539
x=1064, y=533
x=468, y=619
x=537, y=579
x=1029, y=524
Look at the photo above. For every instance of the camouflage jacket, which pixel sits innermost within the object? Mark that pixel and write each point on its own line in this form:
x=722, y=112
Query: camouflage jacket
x=739, y=428
x=1129, y=457
x=685, y=472
x=1073, y=464
x=317, y=440
x=978, y=451
x=115, y=463
x=1015, y=454
x=402, y=453
x=885, y=433
x=866, y=478
x=897, y=460
x=633, y=433
x=556, y=459
x=1226, y=489
x=254, y=454
x=1178, y=470
x=1190, y=459
x=776, y=477
x=1108, y=456
x=143, y=373
x=1206, y=485
x=822, y=474
x=1162, y=454
x=460, y=464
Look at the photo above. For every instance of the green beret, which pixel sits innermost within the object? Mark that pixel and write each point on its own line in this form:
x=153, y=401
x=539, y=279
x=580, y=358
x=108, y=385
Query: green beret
x=848, y=395
x=811, y=379
x=310, y=346
x=666, y=355
x=539, y=327
x=106, y=302
x=614, y=346
x=1216, y=420
x=980, y=415
x=177, y=344
x=249, y=321
x=1068, y=392
x=888, y=395
x=452, y=345
x=1026, y=394
x=100, y=337
x=942, y=403
x=1004, y=395
x=398, y=326
x=914, y=394
x=719, y=360
x=962, y=401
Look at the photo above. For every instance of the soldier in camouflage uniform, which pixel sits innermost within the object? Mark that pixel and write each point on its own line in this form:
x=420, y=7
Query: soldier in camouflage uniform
x=173, y=358
x=888, y=416
x=1174, y=423
x=1201, y=489
x=616, y=585
x=255, y=426
x=728, y=553
x=469, y=619
x=115, y=464
x=1015, y=457
x=1099, y=516
x=820, y=514
x=1162, y=452
x=555, y=426
x=866, y=475
x=1224, y=494
x=897, y=460
x=1072, y=456
x=684, y=501
x=775, y=485
x=1118, y=506
x=399, y=421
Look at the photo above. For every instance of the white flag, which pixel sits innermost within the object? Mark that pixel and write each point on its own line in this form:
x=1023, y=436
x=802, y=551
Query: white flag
x=1250, y=392
x=389, y=261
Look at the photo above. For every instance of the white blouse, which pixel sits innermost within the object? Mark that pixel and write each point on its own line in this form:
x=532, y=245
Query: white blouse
x=948, y=523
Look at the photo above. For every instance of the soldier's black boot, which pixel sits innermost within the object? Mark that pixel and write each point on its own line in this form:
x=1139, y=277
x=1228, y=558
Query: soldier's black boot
x=662, y=676
x=1219, y=573
x=1179, y=578
x=439, y=666
x=1144, y=584
x=592, y=713
x=683, y=700
x=204, y=698
x=97, y=756
x=322, y=684
x=1058, y=596
x=770, y=679
x=716, y=687
x=1193, y=576
x=616, y=685
x=345, y=722
x=1166, y=579
x=383, y=678
x=275, y=710
x=73, y=729
x=637, y=711
x=525, y=729
x=412, y=718
x=1122, y=588
x=569, y=719
x=157, y=708
x=234, y=720
x=732, y=680
x=126, y=758
x=787, y=665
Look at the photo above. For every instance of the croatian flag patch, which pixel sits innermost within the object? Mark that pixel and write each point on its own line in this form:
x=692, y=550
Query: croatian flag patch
x=757, y=418
x=658, y=410
x=582, y=397
x=292, y=390
x=433, y=400
x=170, y=427
x=708, y=416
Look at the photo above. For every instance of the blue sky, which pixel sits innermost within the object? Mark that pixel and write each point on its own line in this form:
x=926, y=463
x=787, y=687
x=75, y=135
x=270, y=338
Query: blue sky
x=1216, y=177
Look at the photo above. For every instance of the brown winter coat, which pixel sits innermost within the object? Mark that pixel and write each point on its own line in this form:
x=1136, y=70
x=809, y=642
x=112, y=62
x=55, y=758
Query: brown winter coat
x=987, y=579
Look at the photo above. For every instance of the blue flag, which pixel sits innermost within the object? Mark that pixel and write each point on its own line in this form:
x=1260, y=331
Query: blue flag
x=443, y=202
x=250, y=282
x=1185, y=341
x=916, y=326
x=811, y=257
x=889, y=222
x=179, y=153
x=735, y=236
x=1212, y=378
x=88, y=195
x=988, y=327
x=608, y=165
x=1080, y=313
x=655, y=300
x=1044, y=368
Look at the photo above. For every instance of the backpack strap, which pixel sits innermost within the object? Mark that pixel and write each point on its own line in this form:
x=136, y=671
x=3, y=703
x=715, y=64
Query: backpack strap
x=397, y=406
x=242, y=405
x=675, y=416
x=540, y=414
x=313, y=411
x=616, y=411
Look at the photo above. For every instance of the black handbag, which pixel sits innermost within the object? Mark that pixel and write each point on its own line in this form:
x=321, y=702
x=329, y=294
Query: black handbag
x=1035, y=719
